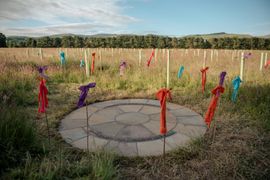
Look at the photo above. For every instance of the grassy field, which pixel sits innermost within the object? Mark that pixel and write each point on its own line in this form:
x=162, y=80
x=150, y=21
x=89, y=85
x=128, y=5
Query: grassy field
x=240, y=149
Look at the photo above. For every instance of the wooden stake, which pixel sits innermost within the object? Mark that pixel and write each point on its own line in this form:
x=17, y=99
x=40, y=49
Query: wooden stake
x=41, y=53
x=86, y=64
x=261, y=64
x=242, y=66
x=204, y=59
x=155, y=56
x=100, y=54
x=140, y=57
x=265, y=59
x=212, y=55
x=168, y=68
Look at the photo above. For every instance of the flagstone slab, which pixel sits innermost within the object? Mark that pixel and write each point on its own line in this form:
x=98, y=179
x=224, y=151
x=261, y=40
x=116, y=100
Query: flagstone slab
x=130, y=127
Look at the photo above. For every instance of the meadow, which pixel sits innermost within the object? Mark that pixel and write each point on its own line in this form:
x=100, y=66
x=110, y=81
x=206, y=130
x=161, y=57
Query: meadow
x=239, y=150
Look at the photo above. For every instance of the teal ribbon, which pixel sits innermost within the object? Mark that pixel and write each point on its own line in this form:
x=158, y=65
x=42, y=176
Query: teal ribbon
x=236, y=84
x=82, y=64
x=180, y=71
x=62, y=58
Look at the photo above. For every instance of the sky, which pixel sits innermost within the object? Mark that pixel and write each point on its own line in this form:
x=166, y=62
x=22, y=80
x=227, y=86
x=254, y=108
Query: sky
x=162, y=17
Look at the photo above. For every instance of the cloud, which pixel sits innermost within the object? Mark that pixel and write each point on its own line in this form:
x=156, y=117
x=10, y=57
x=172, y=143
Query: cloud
x=62, y=16
x=74, y=28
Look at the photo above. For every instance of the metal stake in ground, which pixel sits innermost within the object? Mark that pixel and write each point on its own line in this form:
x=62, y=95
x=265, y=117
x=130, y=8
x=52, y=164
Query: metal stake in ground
x=164, y=140
x=48, y=127
x=83, y=95
x=87, y=127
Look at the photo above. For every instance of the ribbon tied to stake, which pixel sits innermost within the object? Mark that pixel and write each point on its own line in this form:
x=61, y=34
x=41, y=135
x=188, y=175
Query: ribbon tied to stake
x=62, y=58
x=180, y=71
x=84, y=92
x=204, y=78
x=162, y=95
x=93, y=63
x=151, y=57
x=236, y=84
x=42, y=96
x=213, y=104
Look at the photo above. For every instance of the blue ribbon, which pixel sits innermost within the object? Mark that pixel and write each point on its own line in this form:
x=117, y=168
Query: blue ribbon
x=236, y=84
x=180, y=72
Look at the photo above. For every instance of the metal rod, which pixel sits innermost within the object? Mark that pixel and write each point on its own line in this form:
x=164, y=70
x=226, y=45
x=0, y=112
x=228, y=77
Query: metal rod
x=48, y=127
x=164, y=136
x=87, y=128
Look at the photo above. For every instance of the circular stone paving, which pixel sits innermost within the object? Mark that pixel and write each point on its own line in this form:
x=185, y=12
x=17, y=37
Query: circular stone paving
x=130, y=127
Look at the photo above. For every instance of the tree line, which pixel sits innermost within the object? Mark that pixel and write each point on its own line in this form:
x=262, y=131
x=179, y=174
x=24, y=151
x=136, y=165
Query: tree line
x=143, y=41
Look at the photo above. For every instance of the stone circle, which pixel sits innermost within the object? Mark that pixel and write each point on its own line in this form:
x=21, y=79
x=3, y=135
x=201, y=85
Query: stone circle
x=130, y=127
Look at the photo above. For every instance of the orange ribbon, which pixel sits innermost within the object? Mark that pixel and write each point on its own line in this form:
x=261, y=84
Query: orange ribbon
x=204, y=78
x=213, y=104
x=161, y=96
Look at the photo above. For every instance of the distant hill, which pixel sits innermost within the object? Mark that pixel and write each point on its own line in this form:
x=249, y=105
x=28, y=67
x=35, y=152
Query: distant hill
x=205, y=36
x=266, y=36
x=220, y=35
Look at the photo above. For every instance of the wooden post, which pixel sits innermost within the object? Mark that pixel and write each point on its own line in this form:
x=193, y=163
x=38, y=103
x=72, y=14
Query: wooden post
x=140, y=57
x=41, y=53
x=156, y=55
x=66, y=54
x=204, y=59
x=261, y=64
x=265, y=59
x=242, y=66
x=86, y=64
x=100, y=58
x=27, y=53
x=212, y=55
x=168, y=68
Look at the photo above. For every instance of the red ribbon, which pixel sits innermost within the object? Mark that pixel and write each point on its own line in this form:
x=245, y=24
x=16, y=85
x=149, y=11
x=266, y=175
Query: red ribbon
x=150, y=59
x=93, y=63
x=161, y=96
x=213, y=104
x=204, y=78
x=42, y=96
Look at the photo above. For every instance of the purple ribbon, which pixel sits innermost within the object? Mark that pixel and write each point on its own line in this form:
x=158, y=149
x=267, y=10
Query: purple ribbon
x=84, y=92
x=221, y=80
x=123, y=64
x=222, y=77
x=247, y=55
x=41, y=70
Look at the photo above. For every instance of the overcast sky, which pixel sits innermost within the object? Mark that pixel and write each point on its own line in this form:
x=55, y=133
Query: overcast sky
x=164, y=17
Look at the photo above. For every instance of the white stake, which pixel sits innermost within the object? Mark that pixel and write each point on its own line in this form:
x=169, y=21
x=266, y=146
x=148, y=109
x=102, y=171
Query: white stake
x=41, y=53
x=204, y=58
x=168, y=68
x=242, y=66
x=261, y=64
x=156, y=55
x=265, y=59
x=86, y=64
x=140, y=57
